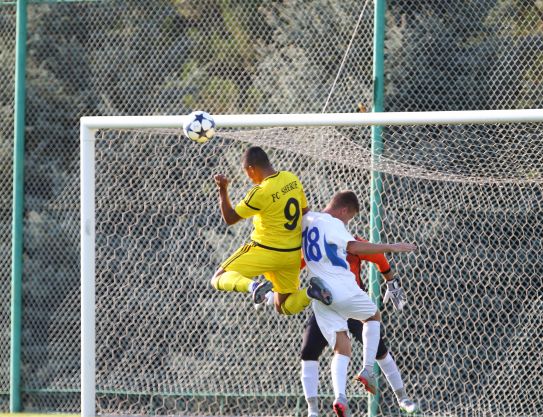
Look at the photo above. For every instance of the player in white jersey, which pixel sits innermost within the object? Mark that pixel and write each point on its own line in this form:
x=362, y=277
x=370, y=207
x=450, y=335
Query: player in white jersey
x=325, y=243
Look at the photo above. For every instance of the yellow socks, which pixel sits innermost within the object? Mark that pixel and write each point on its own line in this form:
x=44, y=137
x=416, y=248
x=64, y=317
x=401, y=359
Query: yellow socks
x=296, y=302
x=231, y=281
x=234, y=281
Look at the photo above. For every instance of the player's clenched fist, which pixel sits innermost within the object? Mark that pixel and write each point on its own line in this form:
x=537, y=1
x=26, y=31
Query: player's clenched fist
x=221, y=180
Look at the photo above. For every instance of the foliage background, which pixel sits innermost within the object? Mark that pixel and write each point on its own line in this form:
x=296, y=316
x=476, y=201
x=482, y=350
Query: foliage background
x=123, y=57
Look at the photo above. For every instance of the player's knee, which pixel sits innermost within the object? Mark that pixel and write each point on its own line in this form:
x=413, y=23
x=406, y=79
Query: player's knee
x=215, y=279
x=215, y=282
x=343, y=344
x=376, y=316
x=280, y=303
x=281, y=309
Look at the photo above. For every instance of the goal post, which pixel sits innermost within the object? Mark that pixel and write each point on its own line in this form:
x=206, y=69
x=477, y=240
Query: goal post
x=90, y=125
x=320, y=119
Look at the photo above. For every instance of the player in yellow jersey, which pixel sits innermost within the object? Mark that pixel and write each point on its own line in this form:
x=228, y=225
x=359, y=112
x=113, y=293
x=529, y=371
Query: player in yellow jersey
x=276, y=203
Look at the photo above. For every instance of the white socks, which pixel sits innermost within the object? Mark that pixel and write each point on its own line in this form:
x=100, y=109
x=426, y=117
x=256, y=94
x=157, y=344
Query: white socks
x=310, y=384
x=370, y=338
x=391, y=371
x=310, y=378
x=312, y=407
x=269, y=298
x=339, y=367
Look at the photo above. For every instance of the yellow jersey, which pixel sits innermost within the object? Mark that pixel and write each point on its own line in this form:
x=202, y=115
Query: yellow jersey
x=276, y=206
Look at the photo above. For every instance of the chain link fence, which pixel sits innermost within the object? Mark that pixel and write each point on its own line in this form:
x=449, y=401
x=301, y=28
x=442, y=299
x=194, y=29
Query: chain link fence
x=171, y=57
x=161, y=57
x=463, y=55
x=7, y=74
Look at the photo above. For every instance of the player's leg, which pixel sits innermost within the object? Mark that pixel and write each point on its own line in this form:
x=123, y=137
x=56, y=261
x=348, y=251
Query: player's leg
x=339, y=368
x=229, y=277
x=313, y=344
x=371, y=333
x=333, y=325
x=231, y=281
x=291, y=303
x=235, y=274
x=356, y=328
x=393, y=376
x=388, y=367
x=289, y=297
x=360, y=307
x=299, y=300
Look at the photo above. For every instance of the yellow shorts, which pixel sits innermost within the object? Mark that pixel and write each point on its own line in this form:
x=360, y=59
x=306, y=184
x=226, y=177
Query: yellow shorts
x=282, y=268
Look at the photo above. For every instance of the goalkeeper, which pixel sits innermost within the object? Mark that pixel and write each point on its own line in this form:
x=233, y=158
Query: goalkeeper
x=314, y=342
x=276, y=203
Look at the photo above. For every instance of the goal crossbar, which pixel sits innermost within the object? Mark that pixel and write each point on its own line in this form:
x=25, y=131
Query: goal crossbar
x=322, y=119
x=89, y=125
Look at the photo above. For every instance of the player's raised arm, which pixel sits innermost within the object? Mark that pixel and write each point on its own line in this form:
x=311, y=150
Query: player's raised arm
x=378, y=259
x=229, y=215
x=365, y=248
x=394, y=292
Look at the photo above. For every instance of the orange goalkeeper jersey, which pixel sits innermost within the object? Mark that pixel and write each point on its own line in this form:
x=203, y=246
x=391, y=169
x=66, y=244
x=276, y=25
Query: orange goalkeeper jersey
x=379, y=259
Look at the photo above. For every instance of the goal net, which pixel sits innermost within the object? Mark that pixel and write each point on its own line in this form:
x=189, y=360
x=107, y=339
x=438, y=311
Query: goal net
x=467, y=344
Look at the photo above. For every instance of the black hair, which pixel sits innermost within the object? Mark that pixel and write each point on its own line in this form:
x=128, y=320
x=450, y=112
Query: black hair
x=256, y=157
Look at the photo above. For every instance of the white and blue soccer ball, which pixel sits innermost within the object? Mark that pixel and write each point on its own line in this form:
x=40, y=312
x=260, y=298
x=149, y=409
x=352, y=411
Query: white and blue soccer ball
x=199, y=126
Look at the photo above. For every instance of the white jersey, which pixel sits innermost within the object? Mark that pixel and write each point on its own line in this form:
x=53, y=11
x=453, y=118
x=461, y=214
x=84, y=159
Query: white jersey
x=324, y=243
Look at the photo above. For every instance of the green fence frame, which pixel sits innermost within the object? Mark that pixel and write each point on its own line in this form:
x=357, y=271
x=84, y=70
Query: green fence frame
x=376, y=150
x=18, y=209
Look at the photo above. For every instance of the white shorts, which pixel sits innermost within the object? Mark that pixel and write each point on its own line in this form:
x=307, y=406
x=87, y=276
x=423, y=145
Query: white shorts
x=333, y=318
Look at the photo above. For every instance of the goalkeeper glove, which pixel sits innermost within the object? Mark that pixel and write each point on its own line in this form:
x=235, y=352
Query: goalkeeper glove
x=395, y=294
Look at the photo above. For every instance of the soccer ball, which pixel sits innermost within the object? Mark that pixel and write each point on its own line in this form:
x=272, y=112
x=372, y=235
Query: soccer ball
x=199, y=126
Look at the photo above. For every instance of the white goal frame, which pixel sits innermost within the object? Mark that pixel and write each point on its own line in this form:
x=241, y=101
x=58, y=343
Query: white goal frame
x=89, y=126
